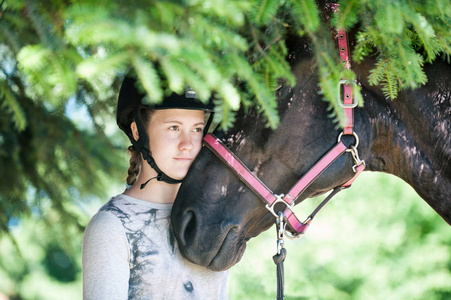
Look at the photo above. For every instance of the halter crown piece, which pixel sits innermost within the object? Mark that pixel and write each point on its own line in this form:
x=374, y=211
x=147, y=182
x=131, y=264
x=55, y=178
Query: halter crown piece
x=287, y=217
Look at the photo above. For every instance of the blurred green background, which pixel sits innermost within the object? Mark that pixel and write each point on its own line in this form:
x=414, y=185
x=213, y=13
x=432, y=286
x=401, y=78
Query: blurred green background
x=377, y=240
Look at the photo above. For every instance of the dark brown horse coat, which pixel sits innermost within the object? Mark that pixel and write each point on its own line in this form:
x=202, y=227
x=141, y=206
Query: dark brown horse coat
x=215, y=214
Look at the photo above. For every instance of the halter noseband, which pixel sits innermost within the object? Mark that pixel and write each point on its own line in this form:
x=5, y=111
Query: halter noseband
x=270, y=198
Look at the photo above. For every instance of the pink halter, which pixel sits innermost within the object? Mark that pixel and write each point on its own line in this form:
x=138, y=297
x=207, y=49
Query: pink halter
x=269, y=197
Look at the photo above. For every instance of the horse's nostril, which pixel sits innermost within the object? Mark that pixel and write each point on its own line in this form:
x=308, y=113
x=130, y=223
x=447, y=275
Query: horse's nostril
x=188, y=225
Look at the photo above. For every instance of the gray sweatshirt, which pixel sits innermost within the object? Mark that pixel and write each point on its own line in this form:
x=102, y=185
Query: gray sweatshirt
x=129, y=252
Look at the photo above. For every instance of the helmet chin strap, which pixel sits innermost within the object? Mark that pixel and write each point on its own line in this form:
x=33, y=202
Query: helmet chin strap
x=142, y=145
x=161, y=176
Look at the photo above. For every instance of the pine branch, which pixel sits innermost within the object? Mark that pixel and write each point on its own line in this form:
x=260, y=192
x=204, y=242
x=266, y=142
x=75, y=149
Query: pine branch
x=149, y=79
x=95, y=67
x=265, y=99
x=363, y=48
x=264, y=10
x=424, y=31
x=348, y=16
x=225, y=37
x=410, y=66
x=232, y=11
x=10, y=103
x=389, y=18
x=390, y=88
x=224, y=116
x=230, y=95
x=173, y=71
x=329, y=77
x=307, y=14
x=10, y=38
x=41, y=26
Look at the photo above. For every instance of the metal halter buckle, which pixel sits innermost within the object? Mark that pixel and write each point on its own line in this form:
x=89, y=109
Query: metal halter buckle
x=279, y=199
x=340, y=102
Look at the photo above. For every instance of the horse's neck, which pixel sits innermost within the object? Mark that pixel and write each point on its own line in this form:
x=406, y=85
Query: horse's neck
x=410, y=136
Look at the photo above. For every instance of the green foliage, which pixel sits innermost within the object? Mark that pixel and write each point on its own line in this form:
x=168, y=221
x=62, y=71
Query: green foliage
x=38, y=263
x=263, y=11
x=48, y=160
x=307, y=14
x=174, y=36
x=194, y=43
x=404, y=35
x=11, y=105
x=51, y=159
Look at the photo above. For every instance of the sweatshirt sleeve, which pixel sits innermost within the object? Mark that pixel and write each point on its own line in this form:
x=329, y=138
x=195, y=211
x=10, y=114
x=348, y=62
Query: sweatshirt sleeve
x=105, y=254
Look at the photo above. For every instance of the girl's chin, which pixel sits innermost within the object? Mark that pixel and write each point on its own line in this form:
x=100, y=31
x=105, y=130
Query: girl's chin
x=177, y=175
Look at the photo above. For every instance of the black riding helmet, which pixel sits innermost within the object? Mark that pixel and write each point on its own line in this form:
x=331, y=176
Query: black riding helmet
x=130, y=103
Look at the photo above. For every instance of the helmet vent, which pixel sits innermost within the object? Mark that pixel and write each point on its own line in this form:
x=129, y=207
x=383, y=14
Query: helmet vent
x=190, y=93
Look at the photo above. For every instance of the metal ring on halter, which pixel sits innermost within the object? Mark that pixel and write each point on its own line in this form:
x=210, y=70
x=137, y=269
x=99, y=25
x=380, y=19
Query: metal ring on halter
x=356, y=140
x=279, y=199
x=295, y=236
x=292, y=236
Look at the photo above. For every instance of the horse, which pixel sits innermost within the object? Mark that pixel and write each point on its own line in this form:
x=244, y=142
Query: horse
x=215, y=213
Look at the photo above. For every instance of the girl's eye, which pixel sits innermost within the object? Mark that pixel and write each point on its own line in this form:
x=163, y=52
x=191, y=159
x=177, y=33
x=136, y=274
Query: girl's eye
x=199, y=129
x=174, y=128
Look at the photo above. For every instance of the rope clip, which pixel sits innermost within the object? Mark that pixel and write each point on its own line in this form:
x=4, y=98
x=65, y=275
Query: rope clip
x=355, y=156
x=281, y=225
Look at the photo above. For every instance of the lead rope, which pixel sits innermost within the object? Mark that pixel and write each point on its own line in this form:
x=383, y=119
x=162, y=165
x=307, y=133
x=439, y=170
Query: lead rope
x=279, y=258
x=281, y=223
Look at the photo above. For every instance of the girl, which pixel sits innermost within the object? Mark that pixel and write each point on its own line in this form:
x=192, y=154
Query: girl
x=129, y=251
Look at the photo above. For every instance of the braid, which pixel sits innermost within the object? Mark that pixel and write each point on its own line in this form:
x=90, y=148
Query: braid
x=135, y=165
x=135, y=156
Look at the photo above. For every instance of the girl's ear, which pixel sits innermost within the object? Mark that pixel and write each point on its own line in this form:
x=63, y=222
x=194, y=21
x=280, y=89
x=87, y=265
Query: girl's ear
x=134, y=131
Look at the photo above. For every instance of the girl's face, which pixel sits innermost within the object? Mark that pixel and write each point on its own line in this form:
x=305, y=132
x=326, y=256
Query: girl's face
x=175, y=139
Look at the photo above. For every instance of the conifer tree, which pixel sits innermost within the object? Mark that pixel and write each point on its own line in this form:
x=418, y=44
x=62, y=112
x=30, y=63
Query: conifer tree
x=54, y=53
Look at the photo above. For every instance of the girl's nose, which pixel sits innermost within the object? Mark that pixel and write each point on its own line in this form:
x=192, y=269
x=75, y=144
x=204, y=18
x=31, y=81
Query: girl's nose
x=186, y=142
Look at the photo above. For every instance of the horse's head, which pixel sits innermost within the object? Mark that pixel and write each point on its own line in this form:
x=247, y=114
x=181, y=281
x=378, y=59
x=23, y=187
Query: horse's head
x=215, y=214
